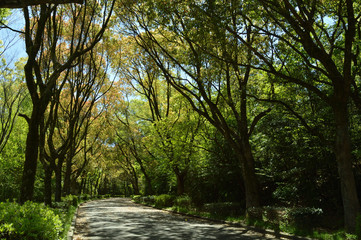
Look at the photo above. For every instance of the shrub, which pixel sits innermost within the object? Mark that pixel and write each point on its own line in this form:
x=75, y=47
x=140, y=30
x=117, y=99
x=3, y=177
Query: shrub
x=85, y=197
x=67, y=218
x=136, y=198
x=183, y=201
x=71, y=200
x=272, y=214
x=254, y=213
x=164, y=200
x=107, y=196
x=31, y=221
x=223, y=208
x=149, y=200
x=305, y=217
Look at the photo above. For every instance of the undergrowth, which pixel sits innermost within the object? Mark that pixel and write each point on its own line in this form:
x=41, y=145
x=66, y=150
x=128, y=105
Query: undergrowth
x=35, y=221
x=296, y=221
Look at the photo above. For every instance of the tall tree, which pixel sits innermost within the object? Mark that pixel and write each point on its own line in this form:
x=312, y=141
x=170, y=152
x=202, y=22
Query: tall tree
x=321, y=37
x=173, y=126
x=42, y=23
x=203, y=66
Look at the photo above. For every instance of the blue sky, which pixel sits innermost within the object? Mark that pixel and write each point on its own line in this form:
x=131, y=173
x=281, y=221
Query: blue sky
x=12, y=41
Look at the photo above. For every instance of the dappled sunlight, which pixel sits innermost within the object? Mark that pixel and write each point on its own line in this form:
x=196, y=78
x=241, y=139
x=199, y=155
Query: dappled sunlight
x=119, y=218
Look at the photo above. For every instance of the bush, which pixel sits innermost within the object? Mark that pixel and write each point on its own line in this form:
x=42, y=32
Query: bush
x=67, y=218
x=31, y=221
x=305, y=217
x=71, y=200
x=254, y=213
x=85, y=197
x=223, y=208
x=136, y=198
x=183, y=201
x=164, y=200
x=149, y=200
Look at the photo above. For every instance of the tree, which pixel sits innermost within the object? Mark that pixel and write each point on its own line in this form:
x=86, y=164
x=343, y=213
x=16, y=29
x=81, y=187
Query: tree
x=172, y=125
x=11, y=96
x=317, y=39
x=133, y=150
x=204, y=67
x=83, y=111
x=42, y=23
x=13, y=100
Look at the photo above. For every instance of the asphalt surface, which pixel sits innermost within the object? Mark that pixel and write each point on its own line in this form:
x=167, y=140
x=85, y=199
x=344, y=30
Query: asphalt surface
x=120, y=218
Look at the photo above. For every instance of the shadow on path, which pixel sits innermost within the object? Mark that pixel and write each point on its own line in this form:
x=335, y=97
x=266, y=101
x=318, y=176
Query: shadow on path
x=119, y=218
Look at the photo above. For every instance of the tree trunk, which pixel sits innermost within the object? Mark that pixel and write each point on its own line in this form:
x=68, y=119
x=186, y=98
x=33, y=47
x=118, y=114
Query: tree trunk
x=31, y=157
x=148, y=185
x=48, y=167
x=58, y=178
x=180, y=183
x=47, y=185
x=85, y=185
x=91, y=187
x=82, y=184
x=135, y=187
x=251, y=185
x=66, y=189
x=148, y=181
x=135, y=184
x=350, y=199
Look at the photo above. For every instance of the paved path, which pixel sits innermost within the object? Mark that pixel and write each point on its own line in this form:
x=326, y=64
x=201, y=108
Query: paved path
x=119, y=218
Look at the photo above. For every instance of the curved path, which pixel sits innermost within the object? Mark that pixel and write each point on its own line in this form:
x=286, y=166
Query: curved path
x=119, y=218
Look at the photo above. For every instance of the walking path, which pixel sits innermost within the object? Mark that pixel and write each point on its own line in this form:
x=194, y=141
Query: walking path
x=119, y=218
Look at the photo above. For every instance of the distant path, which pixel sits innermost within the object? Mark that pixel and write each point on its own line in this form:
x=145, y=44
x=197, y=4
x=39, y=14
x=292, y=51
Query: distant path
x=119, y=218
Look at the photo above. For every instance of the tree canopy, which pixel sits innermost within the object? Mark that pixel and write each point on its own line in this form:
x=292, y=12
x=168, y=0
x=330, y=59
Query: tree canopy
x=254, y=102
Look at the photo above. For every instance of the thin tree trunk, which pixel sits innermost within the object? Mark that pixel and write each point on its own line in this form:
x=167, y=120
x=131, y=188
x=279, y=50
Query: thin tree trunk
x=135, y=182
x=82, y=184
x=135, y=187
x=47, y=185
x=67, y=176
x=48, y=167
x=91, y=187
x=58, y=178
x=148, y=181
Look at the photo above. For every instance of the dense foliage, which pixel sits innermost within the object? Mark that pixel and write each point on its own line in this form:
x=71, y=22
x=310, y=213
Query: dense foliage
x=242, y=104
x=28, y=221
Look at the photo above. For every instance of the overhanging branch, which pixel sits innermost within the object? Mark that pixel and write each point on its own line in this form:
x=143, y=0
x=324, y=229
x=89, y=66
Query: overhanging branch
x=25, y=3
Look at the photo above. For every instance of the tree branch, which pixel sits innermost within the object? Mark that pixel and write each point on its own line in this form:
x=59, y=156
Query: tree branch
x=257, y=119
x=25, y=117
x=25, y=3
